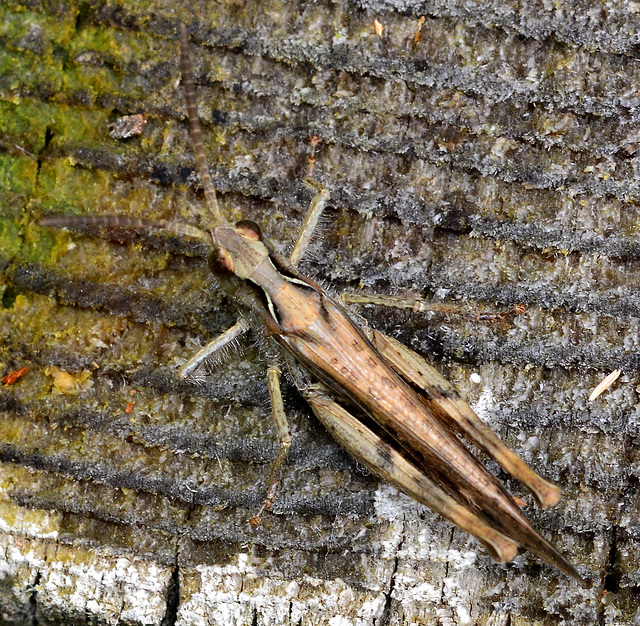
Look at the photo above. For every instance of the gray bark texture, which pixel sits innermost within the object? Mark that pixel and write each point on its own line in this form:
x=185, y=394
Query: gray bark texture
x=479, y=153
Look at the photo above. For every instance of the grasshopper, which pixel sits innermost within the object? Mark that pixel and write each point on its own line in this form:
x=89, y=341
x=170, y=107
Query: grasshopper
x=392, y=411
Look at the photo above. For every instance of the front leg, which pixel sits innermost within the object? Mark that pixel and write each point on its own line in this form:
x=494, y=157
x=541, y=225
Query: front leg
x=310, y=222
x=316, y=207
x=219, y=343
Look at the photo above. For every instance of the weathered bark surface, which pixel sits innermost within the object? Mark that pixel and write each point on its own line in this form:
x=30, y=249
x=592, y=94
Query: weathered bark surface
x=490, y=161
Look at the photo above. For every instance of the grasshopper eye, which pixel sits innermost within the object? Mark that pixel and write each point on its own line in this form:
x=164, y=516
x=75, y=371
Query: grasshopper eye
x=249, y=229
x=220, y=262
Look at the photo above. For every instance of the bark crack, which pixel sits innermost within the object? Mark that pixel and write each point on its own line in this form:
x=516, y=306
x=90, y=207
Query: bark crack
x=33, y=601
x=385, y=617
x=173, y=599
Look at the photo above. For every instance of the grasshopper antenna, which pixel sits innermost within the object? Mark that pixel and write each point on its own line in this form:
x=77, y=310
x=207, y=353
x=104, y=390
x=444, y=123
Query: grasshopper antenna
x=196, y=131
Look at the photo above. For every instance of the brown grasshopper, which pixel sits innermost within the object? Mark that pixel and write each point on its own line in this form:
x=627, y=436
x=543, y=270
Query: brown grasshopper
x=391, y=410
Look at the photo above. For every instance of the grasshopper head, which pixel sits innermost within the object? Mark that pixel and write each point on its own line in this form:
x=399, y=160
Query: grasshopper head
x=237, y=249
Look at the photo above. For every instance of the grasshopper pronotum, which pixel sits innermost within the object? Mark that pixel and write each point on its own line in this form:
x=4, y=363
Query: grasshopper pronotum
x=391, y=410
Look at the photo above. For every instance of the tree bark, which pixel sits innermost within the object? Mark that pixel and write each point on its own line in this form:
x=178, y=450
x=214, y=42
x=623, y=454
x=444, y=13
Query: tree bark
x=480, y=153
